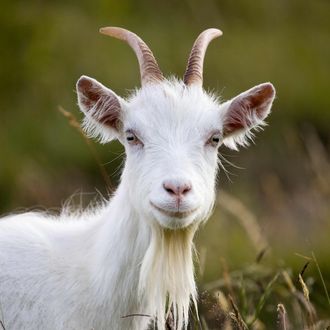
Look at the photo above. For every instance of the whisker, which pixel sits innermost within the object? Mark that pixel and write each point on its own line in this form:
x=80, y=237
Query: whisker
x=227, y=172
x=113, y=160
x=229, y=162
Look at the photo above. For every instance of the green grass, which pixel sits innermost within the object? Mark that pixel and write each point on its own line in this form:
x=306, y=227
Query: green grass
x=265, y=297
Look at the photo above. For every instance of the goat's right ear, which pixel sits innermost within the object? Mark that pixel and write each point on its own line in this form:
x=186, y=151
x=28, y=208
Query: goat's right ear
x=102, y=109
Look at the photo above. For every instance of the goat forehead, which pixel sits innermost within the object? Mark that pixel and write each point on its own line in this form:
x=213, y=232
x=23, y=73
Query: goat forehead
x=172, y=109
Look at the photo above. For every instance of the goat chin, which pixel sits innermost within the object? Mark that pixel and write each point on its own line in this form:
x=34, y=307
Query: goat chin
x=174, y=223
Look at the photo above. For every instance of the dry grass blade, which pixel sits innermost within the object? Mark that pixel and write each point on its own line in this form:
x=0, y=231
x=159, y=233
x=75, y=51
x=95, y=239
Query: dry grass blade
x=75, y=123
x=318, y=158
x=309, y=307
x=304, y=287
x=226, y=276
x=288, y=281
x=246, y=218
x=304, y=268
x=302, y=282
x=236, y=316
x=303, y=256
x=222, y=301
x=282, y=323
x=261, y=254
x=321, y=276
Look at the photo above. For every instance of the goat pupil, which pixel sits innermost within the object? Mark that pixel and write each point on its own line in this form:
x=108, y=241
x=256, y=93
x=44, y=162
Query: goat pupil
x=216, y=140
x=130, y=138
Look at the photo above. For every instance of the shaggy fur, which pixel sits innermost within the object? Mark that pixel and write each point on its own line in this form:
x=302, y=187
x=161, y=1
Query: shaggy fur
x=126, y=263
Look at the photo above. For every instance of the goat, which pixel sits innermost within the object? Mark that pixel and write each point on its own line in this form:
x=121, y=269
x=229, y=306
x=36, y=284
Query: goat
x=128, y=262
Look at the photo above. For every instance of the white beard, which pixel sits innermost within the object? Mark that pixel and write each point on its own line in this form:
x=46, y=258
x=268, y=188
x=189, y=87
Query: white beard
x=167, y=276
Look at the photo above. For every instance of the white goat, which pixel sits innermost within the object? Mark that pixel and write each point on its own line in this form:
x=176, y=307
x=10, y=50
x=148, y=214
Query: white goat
x=133, y=256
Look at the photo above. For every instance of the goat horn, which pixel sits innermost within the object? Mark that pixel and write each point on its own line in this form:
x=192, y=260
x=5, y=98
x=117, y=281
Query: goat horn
x=194, y=70
x=149, y=69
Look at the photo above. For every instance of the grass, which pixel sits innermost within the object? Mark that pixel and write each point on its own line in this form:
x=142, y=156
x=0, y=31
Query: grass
x=263, y=294
x=261, y=297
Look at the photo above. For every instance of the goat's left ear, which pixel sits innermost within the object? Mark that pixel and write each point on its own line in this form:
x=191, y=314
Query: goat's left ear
x=245, y=112
x=102, y=109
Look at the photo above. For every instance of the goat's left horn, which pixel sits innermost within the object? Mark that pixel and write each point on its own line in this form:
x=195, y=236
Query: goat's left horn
x=149, y=69
x=194, y=70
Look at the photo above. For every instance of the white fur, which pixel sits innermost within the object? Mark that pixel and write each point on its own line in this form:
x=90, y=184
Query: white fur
x=89, y=270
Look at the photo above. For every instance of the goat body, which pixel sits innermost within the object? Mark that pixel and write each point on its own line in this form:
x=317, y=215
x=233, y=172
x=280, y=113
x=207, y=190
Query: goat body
x=124, y=264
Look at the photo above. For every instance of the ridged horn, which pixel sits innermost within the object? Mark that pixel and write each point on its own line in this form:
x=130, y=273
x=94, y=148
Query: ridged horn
x=194, y=70
x=149, y=69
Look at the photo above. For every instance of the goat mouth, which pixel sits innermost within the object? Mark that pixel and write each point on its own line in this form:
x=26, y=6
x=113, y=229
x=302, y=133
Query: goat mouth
x=174, y=214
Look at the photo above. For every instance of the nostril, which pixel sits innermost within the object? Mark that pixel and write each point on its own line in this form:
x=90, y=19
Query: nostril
x=185, y=189
x=177, y=189
x=171, y=189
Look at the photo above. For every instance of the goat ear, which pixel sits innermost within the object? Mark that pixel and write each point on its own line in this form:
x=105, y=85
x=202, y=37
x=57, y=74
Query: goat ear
x=245, y=112
x=102, y=109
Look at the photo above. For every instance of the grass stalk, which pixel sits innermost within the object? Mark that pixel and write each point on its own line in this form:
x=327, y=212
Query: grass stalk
x=321, y=276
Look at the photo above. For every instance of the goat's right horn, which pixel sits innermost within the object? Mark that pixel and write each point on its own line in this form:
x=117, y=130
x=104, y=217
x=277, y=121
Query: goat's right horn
x=149, y=69
x=194, y=70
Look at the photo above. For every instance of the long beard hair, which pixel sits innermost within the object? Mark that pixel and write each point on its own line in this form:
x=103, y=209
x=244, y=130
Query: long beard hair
x=167, y=280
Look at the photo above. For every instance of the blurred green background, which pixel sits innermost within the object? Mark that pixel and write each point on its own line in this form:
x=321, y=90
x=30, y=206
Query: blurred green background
x=284, y=185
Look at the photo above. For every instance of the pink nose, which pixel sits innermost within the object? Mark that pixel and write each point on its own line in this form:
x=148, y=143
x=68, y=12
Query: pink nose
x=177, y=189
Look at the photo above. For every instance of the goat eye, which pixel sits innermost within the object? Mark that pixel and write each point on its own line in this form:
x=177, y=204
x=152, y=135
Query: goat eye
x=214, y=140
x=131, y=138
